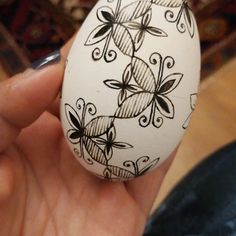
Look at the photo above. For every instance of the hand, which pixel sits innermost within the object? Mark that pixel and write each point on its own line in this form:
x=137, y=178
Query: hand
x=43, y=189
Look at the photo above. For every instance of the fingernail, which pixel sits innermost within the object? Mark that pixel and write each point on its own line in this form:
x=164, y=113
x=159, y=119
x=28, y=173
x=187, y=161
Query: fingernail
x=50, y=59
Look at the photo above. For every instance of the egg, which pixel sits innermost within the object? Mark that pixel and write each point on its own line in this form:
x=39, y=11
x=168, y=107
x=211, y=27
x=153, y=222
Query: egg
x=130, y=85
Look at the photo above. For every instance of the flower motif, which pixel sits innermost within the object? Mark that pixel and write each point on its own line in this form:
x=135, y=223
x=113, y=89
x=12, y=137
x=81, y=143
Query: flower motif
x=141, y=165
x=144, y=27
x=83, y=134
x=107, y=17
x=154, y=92
x=113, y=27
x=110, y=143
x=184, y=19
x=123, y=86
x=131, y=169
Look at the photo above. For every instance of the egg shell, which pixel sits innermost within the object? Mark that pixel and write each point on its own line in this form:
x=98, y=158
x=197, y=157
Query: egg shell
x=130, y=85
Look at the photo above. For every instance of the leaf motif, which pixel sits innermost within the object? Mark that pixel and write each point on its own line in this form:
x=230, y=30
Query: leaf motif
x=168, y=3
x=133, y=88
x=133, y=25
x=120, y=172
x=127, y=75
x=149, y=166
x=111, y=134
x=134, y=105
x=100, y=141
x=122, y=145
x=189, y=19
x=73, y=136
x=98, y=126
x=105, y=14
x=94, y=151
x=113, y=84
x=165, y=106
x=187, y=13
x=98, y=34
x=143, y=75
x=156, y=32
x=122, y=96
x=72, y=117
x=74, y=120
x=134, y=10
x=147, y=18
x=108, y=152
x=106, y=174
x=139, y=39
x=170, y=83
x=123, y=40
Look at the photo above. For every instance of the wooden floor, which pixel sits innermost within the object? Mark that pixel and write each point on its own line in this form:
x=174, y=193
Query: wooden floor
x=213, y=125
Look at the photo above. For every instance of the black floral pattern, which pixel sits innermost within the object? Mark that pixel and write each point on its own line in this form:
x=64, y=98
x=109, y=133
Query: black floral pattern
x=141, y=88
x=130, y=169
x=109, y=143
x=100, y=132
x=143, y=28
x=90, y=136
x=123, y=86
x=153, y=92
x=115, y=26
x=184, y=19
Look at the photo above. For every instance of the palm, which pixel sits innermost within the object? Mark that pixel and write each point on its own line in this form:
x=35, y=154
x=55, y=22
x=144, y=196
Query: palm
x=54, y=194
x=43, y=189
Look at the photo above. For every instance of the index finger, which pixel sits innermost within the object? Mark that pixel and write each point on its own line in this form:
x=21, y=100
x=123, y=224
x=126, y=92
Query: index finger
x=24, y=97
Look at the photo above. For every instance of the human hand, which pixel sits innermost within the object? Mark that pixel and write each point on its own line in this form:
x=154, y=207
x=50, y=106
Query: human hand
x=43, y=189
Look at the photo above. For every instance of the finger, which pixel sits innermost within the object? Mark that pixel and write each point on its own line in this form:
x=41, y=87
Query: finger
x=54, y=108
x=24, y=97
x=145, y=189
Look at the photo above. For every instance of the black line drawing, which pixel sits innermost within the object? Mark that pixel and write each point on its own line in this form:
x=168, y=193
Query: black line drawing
x=141, y=166
x=193, y=99
x=184, y=19
x=116, y=26
x=131, y=169
x=110, y=143
x=97, y=137
x=123, y=86
x=152, y=91
x=140, y=88
x=168, y=3
x=91, y=138
x=142, y=28
x=83, y=134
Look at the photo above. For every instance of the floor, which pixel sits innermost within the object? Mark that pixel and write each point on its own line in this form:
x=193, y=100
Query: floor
x=213, y=125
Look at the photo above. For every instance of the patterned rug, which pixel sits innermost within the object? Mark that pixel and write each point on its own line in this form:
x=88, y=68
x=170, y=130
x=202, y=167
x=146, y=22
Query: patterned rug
x=39, y=27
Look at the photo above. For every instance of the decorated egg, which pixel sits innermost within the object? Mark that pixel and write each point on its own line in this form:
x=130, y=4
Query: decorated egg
x=130, y=85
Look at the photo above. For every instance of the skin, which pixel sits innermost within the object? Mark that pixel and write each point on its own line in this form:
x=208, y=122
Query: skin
x=43, y=190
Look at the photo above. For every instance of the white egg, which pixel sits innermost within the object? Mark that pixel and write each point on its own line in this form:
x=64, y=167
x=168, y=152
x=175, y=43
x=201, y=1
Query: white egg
x=130, y=85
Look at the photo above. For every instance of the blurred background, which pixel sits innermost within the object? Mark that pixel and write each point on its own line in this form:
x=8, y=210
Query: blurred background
x=30, y=30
